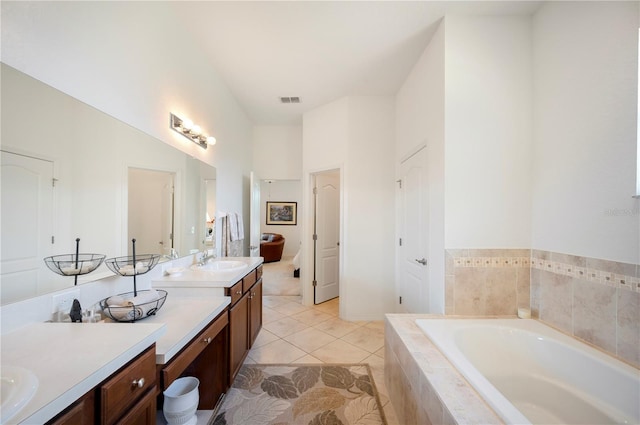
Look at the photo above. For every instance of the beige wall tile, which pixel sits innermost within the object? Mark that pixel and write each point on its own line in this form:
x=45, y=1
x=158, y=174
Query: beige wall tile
x=523, y=287
x=556, y=300
x=500, y=292
x=469, y=297
x=595, y=313
x=628, y=326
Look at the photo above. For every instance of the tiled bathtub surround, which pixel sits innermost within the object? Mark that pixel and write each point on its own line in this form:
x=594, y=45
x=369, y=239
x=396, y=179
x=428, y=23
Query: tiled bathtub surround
x=482, y=282
x=422, y=385
x=595, y=300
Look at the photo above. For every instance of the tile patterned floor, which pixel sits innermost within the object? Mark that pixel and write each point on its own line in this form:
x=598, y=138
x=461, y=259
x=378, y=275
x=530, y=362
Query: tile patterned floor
x=293, y=333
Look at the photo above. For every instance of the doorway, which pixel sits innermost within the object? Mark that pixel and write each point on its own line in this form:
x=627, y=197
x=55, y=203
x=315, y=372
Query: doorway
x=326, y=236
x=413, y=289
x=27, y=225
x=151, y=210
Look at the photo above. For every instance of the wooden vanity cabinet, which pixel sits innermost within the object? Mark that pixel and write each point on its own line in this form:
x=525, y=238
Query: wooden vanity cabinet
x=82, y=412
x=245, y=319
x=121, y=393
x=255, y=311
x=126, y=397
x=204, y=357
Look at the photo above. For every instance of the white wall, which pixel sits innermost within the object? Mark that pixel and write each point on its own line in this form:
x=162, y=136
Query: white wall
x=488, y=132
x=369, y=186
x=282, y=191
x=420, y=119
x=585, y=75
x=119, y=58
x=355, y=135
x=277, y=152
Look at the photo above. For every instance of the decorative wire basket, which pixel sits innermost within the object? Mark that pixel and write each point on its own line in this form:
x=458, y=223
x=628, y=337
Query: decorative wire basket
x=74, y=264
x=132, y=265
x=132, y=312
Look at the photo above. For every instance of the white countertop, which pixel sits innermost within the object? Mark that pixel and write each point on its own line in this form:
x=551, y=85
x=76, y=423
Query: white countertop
x=185, y=318
x=203, y=279
x=70, y=359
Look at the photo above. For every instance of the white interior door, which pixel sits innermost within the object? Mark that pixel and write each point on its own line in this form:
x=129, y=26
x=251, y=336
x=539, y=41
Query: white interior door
x=27, y=225
x=254, y=221
x=150, y=219
x=413, y=273
x=327, y=231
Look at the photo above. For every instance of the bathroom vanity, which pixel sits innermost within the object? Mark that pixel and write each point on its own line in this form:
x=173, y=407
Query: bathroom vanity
x=243, y=287
x=114, y=373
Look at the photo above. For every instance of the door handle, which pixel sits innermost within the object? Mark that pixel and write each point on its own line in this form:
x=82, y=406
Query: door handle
x=423, y=261
x=253, y=247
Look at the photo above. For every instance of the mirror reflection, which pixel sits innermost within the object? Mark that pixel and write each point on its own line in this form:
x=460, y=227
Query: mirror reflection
x=70, y=171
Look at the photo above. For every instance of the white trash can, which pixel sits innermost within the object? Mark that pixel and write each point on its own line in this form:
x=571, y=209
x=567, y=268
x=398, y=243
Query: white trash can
x=181, y=401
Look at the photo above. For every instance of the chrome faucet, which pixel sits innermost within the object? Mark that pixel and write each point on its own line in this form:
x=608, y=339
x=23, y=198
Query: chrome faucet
x=204, y=256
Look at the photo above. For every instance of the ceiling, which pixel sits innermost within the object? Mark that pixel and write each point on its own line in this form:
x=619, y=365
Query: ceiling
x=319, y=51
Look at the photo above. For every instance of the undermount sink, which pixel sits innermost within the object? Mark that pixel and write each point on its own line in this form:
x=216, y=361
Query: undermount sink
x=18, y=387
x=220, y=266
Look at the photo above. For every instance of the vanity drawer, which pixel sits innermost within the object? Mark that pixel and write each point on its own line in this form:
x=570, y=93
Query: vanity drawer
x=249, y=280
x=125, y=387
x=259, y=272
x=235, y=292
x=177, y=366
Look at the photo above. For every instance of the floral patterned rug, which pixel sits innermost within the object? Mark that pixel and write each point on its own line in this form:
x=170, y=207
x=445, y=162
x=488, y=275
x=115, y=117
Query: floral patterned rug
x=325, y=394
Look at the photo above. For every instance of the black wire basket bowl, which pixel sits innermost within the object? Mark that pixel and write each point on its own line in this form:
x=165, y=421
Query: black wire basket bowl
x=132, y=312
x=132, y=265
x=74, y=264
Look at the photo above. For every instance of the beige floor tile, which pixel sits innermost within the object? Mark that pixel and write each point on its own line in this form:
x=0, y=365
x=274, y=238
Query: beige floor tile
x=264, y=337
x=312, y=317
x=377, y=324
x=270, y=315
x=274, y=300
x=279, y=351
x=248, y=360
x=336, y=327
x=290, y=308
x=340, y=352
x=308, y=359
x=380, y=353
x=310, y=339
x=285, y=326
x=366, y=338
x=331, y=307
x=390, y=414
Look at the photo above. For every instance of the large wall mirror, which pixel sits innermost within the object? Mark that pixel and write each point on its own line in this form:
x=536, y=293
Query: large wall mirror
x=70, y=171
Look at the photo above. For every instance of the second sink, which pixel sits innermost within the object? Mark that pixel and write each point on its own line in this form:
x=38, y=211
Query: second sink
x=220, y=266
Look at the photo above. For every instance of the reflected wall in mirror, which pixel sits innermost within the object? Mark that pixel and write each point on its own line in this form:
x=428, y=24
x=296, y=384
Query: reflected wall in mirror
x=91, y=154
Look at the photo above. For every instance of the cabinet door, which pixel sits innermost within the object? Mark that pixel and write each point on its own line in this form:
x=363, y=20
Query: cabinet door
x=238, y=335
x=143, y=413
x=82, y=412
x=255, y=322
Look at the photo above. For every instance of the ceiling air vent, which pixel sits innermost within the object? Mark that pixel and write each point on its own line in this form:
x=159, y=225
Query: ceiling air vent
x=290, y=99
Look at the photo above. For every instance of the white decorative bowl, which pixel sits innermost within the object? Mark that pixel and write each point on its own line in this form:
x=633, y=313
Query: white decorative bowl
x=181, y=401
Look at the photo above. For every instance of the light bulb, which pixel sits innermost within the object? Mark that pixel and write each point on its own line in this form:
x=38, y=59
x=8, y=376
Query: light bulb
x=211, y=140
x=187, y=125
x=196, y=130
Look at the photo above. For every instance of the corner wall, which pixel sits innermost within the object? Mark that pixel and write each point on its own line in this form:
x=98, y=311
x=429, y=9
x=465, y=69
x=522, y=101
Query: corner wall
x=585, y=225
x=487, y=164
x=420, y=119
x=355, y=135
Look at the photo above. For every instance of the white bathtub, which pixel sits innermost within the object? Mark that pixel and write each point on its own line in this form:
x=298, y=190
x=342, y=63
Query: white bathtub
x=530, y=373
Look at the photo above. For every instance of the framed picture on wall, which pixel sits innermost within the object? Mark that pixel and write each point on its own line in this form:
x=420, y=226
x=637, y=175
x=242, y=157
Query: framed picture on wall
x=282, y=213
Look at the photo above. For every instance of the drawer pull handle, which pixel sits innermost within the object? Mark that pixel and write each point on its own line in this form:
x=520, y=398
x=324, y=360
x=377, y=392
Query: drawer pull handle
x=207, y=340
x=138, y=383
x=238, y=292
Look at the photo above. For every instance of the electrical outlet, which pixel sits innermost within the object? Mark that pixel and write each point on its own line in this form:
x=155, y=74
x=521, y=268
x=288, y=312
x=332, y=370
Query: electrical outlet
x=63, y=302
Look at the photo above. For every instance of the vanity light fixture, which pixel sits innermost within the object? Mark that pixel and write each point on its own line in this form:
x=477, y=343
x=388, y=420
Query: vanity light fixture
x=191, y=131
